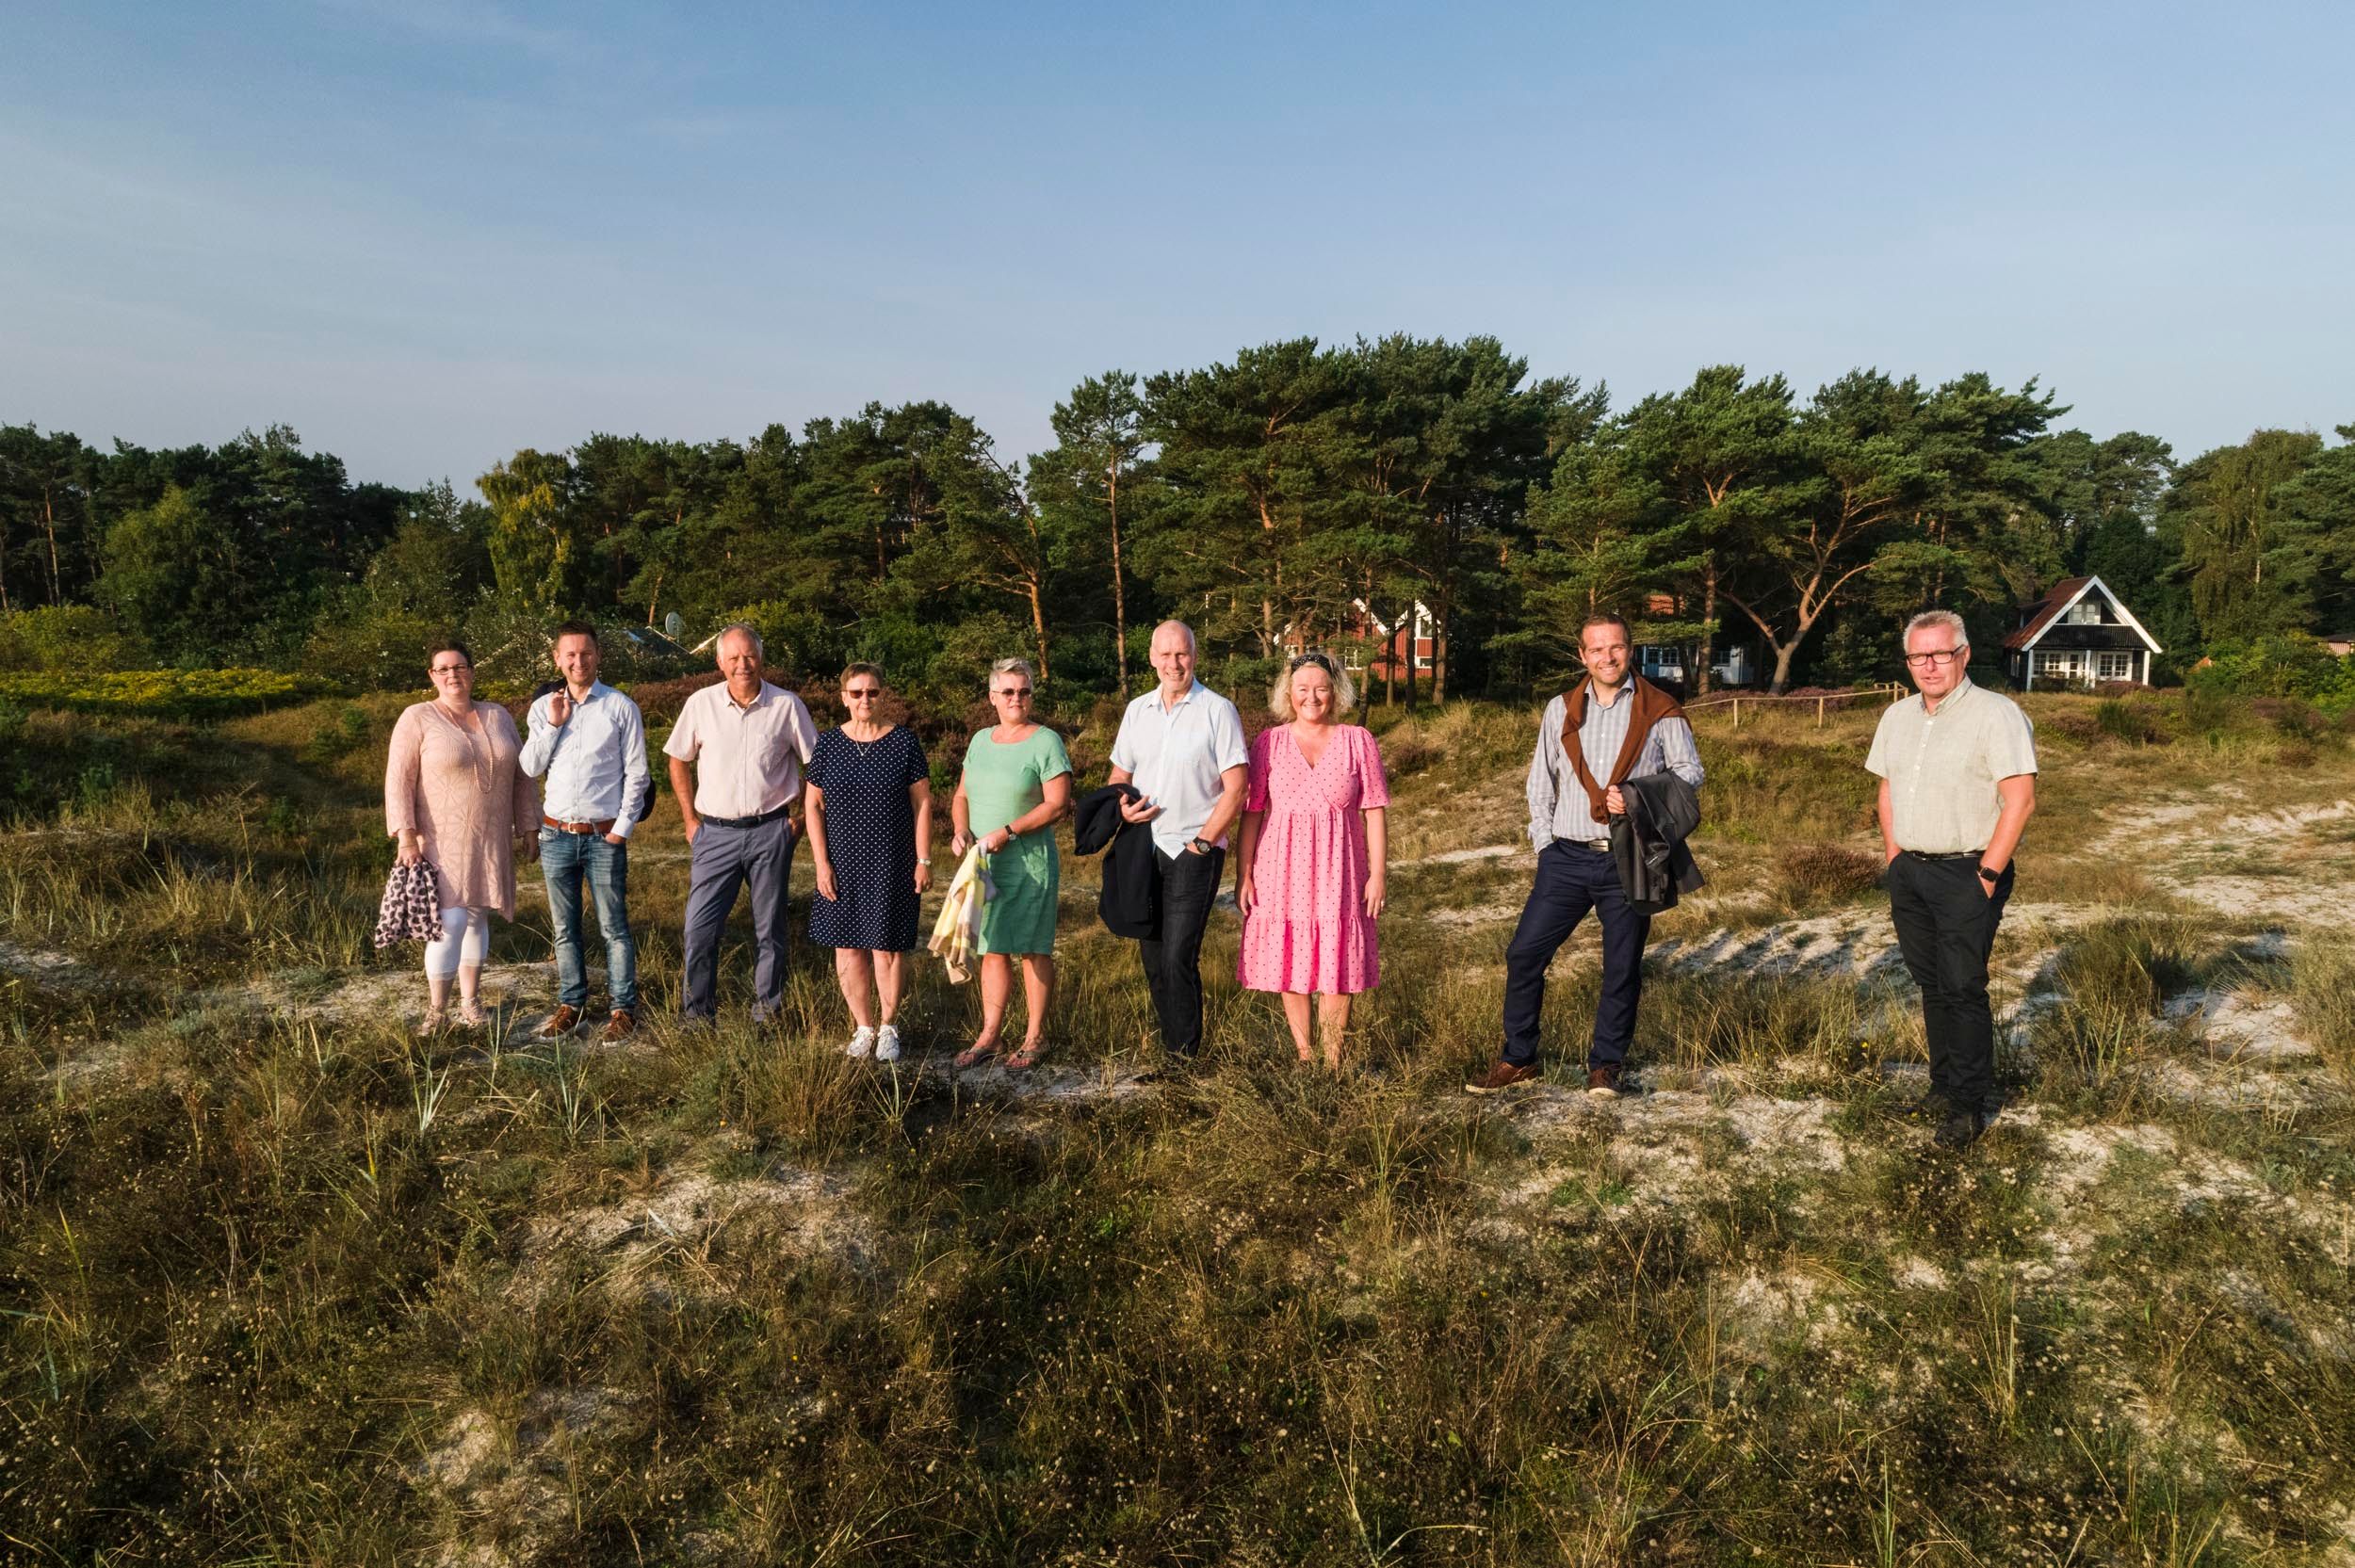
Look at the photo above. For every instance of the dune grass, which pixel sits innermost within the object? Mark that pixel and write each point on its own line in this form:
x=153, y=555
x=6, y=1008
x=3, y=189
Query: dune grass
x=281, y=1287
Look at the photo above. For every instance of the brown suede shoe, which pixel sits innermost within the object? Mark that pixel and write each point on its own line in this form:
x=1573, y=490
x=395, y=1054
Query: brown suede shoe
x=1503, y=1076
x=563, y=1021
x=1603, y=1082
x=618, y=1028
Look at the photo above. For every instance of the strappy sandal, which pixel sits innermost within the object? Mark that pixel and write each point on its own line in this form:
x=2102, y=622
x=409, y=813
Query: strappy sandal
x=435, y=1021
x=470, y=1015
x=974, y=1056
x=1026, y=1059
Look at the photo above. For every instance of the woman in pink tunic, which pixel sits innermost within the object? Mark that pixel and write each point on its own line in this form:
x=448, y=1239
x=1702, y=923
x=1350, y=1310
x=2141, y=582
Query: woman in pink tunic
x=1312, y=856
x=456, y=800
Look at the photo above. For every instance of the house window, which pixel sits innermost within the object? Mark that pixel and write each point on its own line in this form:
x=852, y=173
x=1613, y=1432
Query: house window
x=2061, y=667
x=2084, y=612
x=2115, y=666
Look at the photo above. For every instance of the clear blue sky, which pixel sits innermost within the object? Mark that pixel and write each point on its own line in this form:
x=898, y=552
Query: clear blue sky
x=427, y=232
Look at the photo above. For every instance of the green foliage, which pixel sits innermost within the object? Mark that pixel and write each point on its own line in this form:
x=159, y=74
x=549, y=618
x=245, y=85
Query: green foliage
x=162, y=693
x=69, y=636
x=2288, y=665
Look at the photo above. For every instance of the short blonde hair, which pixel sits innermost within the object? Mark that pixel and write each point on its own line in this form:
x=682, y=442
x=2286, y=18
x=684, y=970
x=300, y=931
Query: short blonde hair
x=1010, y=666
x=1279, y=697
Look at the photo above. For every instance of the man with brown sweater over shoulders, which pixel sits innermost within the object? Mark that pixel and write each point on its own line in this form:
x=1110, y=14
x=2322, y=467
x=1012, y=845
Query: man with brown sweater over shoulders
x=1609, y=728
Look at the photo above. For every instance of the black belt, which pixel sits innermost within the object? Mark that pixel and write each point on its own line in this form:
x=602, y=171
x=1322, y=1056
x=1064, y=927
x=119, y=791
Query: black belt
x=1599, y=845
x=1953, y=854
x=746, y=821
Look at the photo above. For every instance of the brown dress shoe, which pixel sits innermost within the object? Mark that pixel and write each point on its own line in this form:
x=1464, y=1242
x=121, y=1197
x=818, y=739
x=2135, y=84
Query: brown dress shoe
x=620, y=1027
x=563, y=1021
x=1603, y=1082
x=1504, y=1074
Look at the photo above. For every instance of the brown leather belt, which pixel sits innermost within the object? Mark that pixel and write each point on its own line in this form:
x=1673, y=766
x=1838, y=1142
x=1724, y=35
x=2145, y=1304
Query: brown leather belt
x=604, y=827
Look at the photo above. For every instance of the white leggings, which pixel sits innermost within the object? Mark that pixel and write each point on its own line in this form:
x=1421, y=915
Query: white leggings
x=466, y=939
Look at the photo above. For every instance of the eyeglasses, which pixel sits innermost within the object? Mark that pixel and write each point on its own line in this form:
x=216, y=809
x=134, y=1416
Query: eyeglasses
x=1021, y=693
x=1937, y=656
x=862, y=694
x=453, y=669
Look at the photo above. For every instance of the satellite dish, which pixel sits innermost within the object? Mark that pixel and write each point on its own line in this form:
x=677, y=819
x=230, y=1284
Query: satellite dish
x=674, y=626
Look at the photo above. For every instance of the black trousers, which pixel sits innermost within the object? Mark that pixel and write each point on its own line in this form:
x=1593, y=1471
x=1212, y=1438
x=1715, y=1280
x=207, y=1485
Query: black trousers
x=1173, y=960
x=1570, y=882
x=1946, y=919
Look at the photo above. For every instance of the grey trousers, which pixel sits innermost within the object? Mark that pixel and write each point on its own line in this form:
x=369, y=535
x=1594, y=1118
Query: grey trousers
x=725, y=859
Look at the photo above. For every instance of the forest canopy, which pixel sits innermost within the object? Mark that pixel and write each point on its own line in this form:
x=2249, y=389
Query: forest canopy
x=1297, y=493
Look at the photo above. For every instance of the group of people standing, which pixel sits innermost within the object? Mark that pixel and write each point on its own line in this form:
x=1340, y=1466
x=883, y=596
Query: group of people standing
x=1611, y=792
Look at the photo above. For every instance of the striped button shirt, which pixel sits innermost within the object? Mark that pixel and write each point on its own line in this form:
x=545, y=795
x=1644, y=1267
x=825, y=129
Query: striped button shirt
x=1558, y=807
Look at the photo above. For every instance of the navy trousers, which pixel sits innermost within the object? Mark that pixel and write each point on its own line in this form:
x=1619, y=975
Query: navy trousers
x=1570, y=882
x=724, y=860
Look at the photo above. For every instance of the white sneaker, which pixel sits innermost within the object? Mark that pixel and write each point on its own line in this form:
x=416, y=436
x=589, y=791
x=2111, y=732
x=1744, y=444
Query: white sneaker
x=887, y=1042
x=862, y=1044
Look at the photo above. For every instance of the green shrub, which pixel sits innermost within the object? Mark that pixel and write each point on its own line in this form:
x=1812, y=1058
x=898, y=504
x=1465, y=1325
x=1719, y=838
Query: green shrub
x=69, y=636
x=162, y=693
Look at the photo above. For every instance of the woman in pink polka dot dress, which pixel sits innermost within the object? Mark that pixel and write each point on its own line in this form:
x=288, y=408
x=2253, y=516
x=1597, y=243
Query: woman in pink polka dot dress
x=1312, y=856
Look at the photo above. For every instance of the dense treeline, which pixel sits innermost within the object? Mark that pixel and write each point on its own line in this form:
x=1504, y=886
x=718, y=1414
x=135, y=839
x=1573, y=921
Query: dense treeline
x=1263, y=497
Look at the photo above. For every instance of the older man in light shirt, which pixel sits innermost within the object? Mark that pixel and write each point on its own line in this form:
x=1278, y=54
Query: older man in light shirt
x=1181, y=746
x=748, y=741
x=1957, y=784
x=589, y=743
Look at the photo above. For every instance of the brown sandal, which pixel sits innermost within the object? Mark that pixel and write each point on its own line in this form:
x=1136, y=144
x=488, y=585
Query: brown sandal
x=1026, y=1059
x=974, y=1056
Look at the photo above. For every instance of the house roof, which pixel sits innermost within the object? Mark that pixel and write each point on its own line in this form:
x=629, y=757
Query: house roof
x=2055, y=603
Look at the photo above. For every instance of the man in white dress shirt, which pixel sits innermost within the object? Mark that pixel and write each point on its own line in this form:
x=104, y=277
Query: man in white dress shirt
x=748, y=741
x=589, y=743
x=1181, y=746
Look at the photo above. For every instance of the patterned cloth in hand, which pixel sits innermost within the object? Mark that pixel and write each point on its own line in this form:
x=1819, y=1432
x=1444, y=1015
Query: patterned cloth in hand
x=411, y=911
x=958, y=932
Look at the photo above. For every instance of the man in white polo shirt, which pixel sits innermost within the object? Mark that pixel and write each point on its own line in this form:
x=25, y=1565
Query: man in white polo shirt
x=748, y=741
x=1181, y=746
x=1958, y=771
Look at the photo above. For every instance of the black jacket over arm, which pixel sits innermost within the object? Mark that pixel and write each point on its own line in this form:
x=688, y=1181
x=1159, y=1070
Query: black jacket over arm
x=1647, y=842
x=1131, y=900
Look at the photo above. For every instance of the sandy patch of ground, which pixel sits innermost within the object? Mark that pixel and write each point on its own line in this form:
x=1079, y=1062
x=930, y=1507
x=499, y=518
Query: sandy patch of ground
x=506, y=1479
x=45, y=967
x=521, y=993
x=637, y=1245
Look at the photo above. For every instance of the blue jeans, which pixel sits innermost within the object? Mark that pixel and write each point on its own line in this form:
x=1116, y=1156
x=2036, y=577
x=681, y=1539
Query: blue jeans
x=564, y=860
x=1572, y=881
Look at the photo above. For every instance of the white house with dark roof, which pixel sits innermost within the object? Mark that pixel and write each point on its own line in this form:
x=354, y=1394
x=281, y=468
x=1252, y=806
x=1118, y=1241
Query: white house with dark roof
x=2079, y=635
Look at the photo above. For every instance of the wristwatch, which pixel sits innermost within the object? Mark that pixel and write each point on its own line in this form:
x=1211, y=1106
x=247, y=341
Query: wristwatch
x=1991, y=878
x=1199, y=847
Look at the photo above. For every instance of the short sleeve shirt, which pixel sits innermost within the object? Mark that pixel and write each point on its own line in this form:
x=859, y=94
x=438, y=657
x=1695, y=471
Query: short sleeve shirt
x=748, y=757
x=1942, y=768
x=1177, y=755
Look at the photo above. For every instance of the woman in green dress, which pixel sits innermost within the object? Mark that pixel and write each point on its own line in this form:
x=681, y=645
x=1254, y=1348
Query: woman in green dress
x=1017, y=783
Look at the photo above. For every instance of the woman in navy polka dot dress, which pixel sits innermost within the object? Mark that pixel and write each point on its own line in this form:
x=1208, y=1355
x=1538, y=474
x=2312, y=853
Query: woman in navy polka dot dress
x=869, y=804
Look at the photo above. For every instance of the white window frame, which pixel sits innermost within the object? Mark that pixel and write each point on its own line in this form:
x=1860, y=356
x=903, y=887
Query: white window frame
x=2123, y=665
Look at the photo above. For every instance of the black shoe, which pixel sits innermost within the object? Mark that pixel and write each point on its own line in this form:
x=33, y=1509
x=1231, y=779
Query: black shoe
x=1933, y=1106
x=1961, y=1129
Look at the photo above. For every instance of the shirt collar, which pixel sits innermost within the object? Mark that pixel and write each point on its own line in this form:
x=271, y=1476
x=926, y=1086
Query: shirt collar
x=1961, y=687
x=1192, y=687
x=759, y=698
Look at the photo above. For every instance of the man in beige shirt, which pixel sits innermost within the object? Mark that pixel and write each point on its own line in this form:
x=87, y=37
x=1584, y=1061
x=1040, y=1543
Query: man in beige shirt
x=1958, y=771
x=748, y=741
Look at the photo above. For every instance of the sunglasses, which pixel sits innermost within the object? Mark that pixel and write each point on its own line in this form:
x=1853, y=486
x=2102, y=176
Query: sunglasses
x=1021, y=691
x=861, y=694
